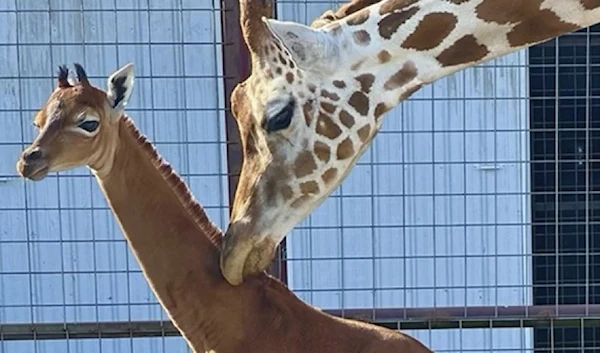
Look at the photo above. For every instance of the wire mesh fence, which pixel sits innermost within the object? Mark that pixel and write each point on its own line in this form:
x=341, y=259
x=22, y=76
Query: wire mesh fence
x=470, y=223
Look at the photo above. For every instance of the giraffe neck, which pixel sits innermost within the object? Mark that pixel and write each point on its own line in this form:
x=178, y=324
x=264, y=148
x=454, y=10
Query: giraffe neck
x=400, y=45
x=171, y=238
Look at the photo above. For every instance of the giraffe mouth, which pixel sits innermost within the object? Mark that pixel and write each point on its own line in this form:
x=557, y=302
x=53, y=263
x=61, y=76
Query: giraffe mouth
x=39, y=174
x=243, y=256
x=233, y=258
x=33, y=171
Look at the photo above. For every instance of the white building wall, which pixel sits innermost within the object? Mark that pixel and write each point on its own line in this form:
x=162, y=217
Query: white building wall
x=436, y=212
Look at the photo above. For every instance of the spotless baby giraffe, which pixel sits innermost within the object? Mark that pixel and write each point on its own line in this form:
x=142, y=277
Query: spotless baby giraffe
x=317, y=95
x=171, y=237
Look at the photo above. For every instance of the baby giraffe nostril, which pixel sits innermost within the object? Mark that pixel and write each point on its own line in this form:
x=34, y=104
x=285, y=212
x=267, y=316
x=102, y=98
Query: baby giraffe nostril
x=33, y=155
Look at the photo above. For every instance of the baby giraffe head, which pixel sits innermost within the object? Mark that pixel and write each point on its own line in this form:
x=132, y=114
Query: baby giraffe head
x=302, y=125
x=77, y=125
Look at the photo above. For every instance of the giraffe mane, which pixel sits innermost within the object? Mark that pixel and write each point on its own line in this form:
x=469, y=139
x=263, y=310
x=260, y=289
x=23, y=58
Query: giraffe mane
x=179, y=187
x=344, y=10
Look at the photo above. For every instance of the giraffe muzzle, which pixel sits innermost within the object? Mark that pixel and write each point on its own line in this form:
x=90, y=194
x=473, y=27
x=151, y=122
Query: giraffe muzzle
x=233, y=258
x=33, y=164
x=242, y=256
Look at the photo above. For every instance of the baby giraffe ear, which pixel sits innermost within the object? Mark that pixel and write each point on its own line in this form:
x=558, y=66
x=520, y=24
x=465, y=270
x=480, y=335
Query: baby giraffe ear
x=120, y=86
x=310, y=48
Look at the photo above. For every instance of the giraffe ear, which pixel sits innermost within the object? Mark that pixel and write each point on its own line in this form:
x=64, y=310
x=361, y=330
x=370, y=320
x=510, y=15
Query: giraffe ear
x=309, y=47
x=120, y=86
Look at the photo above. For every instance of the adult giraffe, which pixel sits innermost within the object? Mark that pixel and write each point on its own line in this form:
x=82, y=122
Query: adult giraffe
x=317, y=95
x=175, y=243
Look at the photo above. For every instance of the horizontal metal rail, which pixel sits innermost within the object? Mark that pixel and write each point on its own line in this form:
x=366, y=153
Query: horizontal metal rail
x=537, y=316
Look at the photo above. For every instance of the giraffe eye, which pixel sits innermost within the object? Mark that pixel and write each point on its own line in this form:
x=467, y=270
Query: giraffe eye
x=89, y=125
x=281, y=120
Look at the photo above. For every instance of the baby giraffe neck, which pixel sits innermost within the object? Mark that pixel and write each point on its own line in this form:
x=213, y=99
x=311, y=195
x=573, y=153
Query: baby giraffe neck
x=174, y=246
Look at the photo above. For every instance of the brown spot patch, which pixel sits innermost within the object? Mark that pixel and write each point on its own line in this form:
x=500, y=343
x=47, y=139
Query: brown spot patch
x=464, y=50
x=312, y=88
x=287, y=192
x=328, y=107
x=300, y=201
x=546, y=26
x=519, y=11
x=409, y=92
x=278, y=71
x=331, y=95
x=360, y=102
x=533, y=24
x=274, y=186
x=329, y=175
x=345, y=149
x=270, y=189
x=322, y=151
x=390, y=24
x=282, y=59
x=307, y=110
x=590, y=4
x=309, y=187
x=384, y=56
x=352, y=6
x=431, y=31
x=358, y=18
x=402, y=77
x=304, y=165
x=339, y=84
x=380, y=109
x=366, y=82
x=346, y=119
x=393, y=5
x=362, y=37
x=326, y=127
x=364, y=133
x=289, y=77
x=357, y=65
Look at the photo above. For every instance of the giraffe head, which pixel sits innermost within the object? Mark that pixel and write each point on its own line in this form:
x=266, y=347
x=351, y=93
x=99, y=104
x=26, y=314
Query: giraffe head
x=302, y=117
x=77, y=125
x=316, y=94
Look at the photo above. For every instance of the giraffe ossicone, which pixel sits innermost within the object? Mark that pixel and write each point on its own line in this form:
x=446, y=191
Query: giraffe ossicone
x=316, y=95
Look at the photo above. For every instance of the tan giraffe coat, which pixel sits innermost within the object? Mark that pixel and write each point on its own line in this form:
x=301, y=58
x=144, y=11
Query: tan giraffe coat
x=175, y=243
x=316, y=95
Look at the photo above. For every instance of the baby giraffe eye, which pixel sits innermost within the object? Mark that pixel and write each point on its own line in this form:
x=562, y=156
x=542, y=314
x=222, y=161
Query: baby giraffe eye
x=89, y=125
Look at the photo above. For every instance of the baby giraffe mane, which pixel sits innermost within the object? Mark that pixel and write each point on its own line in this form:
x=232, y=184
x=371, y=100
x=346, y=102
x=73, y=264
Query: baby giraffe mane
x=191, y=205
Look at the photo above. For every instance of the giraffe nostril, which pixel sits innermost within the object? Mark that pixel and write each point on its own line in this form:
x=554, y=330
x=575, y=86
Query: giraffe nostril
x=33, y=155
